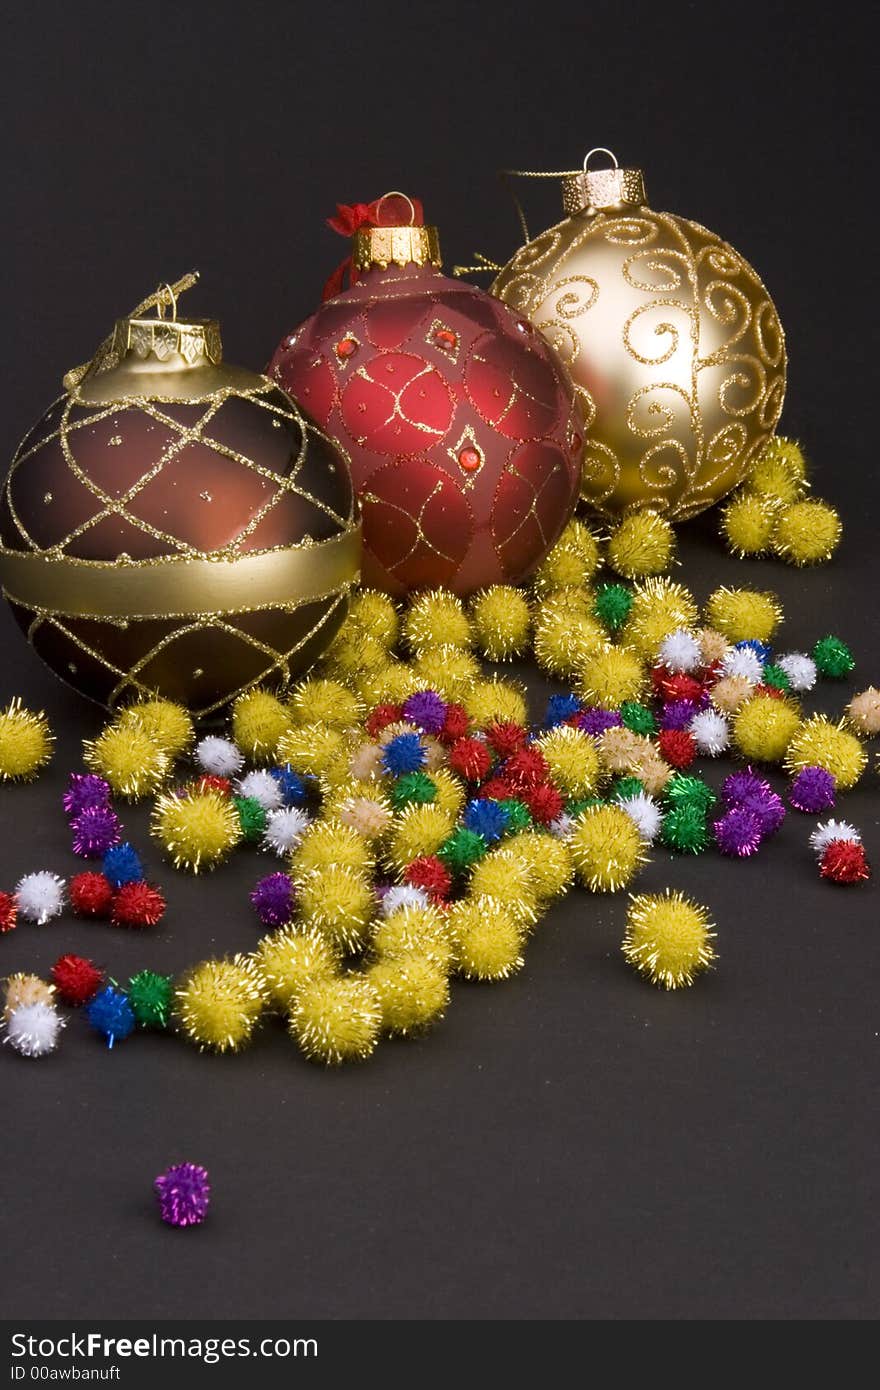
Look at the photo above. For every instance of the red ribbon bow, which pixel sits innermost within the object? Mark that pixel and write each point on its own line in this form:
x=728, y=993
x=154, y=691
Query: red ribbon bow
x=350, y=216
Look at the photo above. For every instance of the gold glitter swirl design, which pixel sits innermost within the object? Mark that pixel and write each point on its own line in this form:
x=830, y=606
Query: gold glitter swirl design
x=674, y=345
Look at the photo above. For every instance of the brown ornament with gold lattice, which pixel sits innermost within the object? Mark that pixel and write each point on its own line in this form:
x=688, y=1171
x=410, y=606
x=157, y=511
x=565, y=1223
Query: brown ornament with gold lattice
x=174, y=525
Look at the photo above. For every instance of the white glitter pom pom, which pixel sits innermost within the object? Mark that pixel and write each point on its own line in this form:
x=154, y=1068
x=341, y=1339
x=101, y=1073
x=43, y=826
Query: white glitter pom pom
x=800, y=669
x=710, y=731
x=830, y=830
x=285, y=828
x=262, y=787
x=562, y=826
x=644, y=812
x=34, y=1029
x=219, y=757
x=680, y=651
x=40, y=896
x=404, y=895
x=743, y=661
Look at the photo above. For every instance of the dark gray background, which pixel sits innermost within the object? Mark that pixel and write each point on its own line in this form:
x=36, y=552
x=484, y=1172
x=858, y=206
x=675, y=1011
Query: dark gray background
x=572, y=1144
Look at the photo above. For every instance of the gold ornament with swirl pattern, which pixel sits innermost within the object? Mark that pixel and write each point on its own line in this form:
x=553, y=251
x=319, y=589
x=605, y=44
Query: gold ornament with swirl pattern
x=673, y=343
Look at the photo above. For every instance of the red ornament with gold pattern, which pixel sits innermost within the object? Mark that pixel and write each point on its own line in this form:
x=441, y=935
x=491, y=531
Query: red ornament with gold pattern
x=461, y=424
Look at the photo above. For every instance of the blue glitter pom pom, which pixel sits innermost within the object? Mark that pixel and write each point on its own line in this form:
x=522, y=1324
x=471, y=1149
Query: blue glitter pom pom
x=560, y=708
x=111, y=1014
x=293, y=788
x=486, y=818
x=122, y=865
x=403, y=754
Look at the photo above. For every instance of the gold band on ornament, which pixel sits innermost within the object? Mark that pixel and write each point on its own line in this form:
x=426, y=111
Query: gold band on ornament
x=180, y=586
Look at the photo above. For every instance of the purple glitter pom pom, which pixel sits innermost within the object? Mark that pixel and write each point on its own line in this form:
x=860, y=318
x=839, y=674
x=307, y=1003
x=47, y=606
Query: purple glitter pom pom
x=740, y=785
x=596, y=720
x=812, y=790
x=273, y=898
x=767, y=807
x=84, y=791
x=95, y=830
x=677, y=714
x=738, y=832
x=426, y=710
x=184, y=1194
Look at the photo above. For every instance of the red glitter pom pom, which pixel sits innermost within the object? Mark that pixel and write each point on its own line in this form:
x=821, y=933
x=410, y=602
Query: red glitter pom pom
x=675, y=685
x=212, y=783
x=506, y=738
x=497, y=789
x=91, y=894
x=8, y=912
x=76, y=979
x=470, y=758
x=380, y=717
x=844, y=862
x=545, y=803
x=677, y=746
x=525, y=768
x=430, y=873
x=455, y=725
x=138, y=905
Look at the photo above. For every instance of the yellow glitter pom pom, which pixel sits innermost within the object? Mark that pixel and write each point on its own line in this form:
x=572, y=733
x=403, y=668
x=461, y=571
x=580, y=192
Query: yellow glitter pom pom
x=780, y=470
x=26, y=742
x=220, y=1001
x=375, y=614
x=416, y=928
x=807, y=533
x=659, y=607
x=23, y=989
x=495, y=701
x=337, y=1020
x=418, y=830
x=167, y=724
x=566, y=634
x=643, y=544
x=486, y=938
x=730, y=692
x=413, y=992
x=504, y=877
x=571, y=562
x=501, y=622
x=451, y=671
x=258, y=721
x=572, y=758
x=611, y=676
x=131, y=761
x=668, y=938
x=819, y=742
x=547, y=860
x=740, y=614
x=354, y=651
x=316, y=701
x=606, y=848
x=329, y=842
x=436, y=617
x=313, y=749
x=339, y=903
x=288, y=959
x=747, y=523
x=388, y=683
x=763, y=727
x=450, y=792
x=198, y=830
x=863, y=712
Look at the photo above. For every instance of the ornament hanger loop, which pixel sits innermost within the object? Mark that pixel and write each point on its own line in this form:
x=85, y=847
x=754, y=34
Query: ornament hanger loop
x=395, y=193
x=165, y=295
x=600, y=149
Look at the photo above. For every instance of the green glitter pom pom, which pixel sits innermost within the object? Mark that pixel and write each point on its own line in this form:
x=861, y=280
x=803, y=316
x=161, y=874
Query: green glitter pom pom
x=518, y=815
x=833, y=658
x=413, y=789
x=150, y=996
x=638, y=718
x=612, y=605
x=463, y=848
x=682, y=790
x=251, y=817
x=625, y=787
x=574, y=808
x=776, y=677
x=684, y=829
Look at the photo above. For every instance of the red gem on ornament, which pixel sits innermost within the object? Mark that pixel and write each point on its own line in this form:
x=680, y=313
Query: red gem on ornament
x=470, y=459
x=345, y=348
x=445, y=338
x=523, y=326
